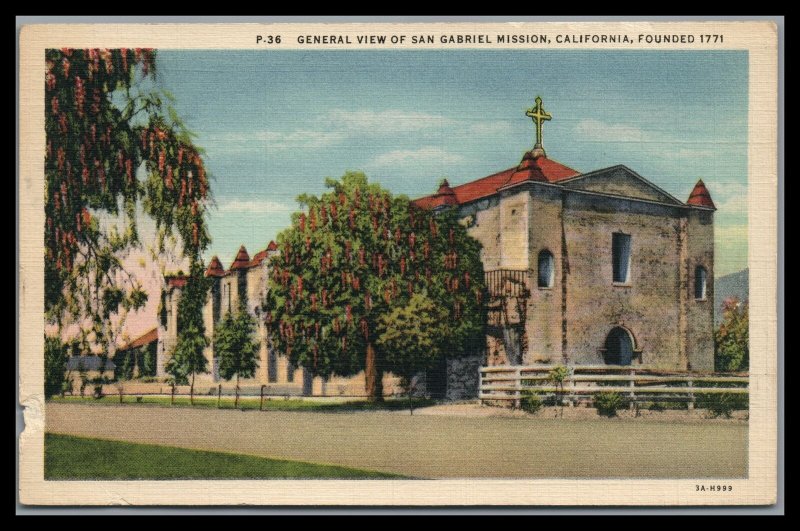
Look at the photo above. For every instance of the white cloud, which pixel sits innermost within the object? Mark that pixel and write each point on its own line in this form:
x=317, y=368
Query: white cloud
x=255, y=141
x=596, y=131
x=689, y=153
x=424, y=155
x=730, y=233
x=389, y=121
x=489, y=128
x=257, y=206
x=729, y=198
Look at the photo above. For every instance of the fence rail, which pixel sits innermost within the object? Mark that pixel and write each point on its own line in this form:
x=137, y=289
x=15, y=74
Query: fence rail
x=506, y=383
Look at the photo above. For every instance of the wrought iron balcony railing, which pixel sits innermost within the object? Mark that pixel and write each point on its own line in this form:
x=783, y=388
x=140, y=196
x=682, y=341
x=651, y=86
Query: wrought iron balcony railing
x=508, y=282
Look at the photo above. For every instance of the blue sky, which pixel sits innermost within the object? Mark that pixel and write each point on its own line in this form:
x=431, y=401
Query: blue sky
x=275, y=124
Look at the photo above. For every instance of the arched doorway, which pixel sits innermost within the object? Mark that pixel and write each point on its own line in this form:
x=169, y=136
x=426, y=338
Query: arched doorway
x=618, y=347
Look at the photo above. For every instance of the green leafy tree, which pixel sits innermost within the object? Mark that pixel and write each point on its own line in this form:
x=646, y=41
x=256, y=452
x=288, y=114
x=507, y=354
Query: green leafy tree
x=412, y=338
x=732, y=338
x=113, y=145
x=55, y=365
x=236, y=348
x=356, y=254
x=558, y=375
x=188, y=358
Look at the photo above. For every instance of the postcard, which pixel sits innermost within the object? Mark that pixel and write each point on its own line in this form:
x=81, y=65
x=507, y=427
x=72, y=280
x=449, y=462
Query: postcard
x=398, y=264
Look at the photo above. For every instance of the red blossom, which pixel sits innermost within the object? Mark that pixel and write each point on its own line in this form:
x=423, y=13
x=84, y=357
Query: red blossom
x=80, y=95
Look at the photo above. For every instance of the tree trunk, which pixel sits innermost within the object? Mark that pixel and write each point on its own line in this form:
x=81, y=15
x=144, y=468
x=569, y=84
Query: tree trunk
x=236, y=400
x=373, y=375
x=191, y=391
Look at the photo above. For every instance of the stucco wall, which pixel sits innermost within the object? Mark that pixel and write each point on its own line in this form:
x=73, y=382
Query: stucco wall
x=647, y=305
x=700, y=313
x=544, y=323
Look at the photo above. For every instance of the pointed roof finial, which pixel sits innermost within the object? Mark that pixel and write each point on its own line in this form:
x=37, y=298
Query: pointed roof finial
x=445, y=195
x=538, y=115
x=242, y=259
x=700, y=196
x=215, y=268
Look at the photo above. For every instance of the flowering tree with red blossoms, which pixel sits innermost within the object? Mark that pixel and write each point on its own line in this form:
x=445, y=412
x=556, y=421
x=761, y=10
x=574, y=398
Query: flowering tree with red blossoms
x=113, y=146
x=356, y=254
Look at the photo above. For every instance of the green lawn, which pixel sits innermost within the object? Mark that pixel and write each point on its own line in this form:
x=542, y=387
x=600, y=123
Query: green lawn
x=77, y=458
x=250, y=402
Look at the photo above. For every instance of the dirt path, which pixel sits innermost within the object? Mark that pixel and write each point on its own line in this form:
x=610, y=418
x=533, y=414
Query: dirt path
x=431, y=446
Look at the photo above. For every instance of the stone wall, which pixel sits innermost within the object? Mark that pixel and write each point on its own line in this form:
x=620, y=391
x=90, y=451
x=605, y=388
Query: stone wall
x=573, y=317
x=462, y=377
x=648, y=304
x=700, y=312
x=544, y=322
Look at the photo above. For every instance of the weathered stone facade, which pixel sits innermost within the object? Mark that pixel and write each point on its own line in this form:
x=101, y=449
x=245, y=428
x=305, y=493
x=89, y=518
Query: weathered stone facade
x=548, y=252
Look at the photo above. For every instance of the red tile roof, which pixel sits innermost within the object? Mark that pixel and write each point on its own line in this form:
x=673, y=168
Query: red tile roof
x=144, y=339
x=700, y=196
x=176, y=281
x=540, y=169
x=258, y=258
x=215, y=268
x=272, y=246
x=242, y=259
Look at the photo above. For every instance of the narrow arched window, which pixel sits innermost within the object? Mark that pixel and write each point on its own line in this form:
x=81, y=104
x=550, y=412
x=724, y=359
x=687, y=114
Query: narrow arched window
x=700, y=280
x=621, y=257
x=547, y=271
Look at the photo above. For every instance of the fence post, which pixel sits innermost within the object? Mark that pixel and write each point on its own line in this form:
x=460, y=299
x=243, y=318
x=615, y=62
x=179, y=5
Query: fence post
x=632, y=385
x=518, y=388
x=219, y=395
x=573, y=401
x=261, y=406
x=120, y=394
x=172, y=395
x=480, y=385
x=690, y=404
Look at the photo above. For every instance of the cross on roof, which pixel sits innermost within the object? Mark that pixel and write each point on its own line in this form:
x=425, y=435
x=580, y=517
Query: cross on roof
x=538, y=115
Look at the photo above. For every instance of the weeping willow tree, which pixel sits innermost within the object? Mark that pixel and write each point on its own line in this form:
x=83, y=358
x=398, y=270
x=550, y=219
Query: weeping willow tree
x=114, y=149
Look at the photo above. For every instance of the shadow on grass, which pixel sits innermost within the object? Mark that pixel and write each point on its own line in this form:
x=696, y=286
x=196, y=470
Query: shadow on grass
x=78, y=458
x=250, y=403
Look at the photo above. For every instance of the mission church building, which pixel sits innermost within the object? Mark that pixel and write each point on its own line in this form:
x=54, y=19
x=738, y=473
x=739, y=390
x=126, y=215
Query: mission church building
x=602, y=267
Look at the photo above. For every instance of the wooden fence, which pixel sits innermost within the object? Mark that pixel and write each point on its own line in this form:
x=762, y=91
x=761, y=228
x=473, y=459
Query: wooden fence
x=505, y=383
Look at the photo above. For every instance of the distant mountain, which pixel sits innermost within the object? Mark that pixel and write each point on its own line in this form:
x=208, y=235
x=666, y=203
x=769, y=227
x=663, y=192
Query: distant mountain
x=732, y=285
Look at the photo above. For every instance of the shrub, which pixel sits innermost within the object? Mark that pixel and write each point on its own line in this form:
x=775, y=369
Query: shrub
x=531, y=401
x=607, y=403
x=656, y=406
x=55, y=363
x=722, y=404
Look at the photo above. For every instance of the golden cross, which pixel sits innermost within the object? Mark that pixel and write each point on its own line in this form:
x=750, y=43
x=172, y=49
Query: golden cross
x=538, y=115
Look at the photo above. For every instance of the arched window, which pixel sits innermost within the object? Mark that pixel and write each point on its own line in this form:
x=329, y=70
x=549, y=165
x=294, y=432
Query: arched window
x=618, y=348
x=547, y=270
x=700, y=277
